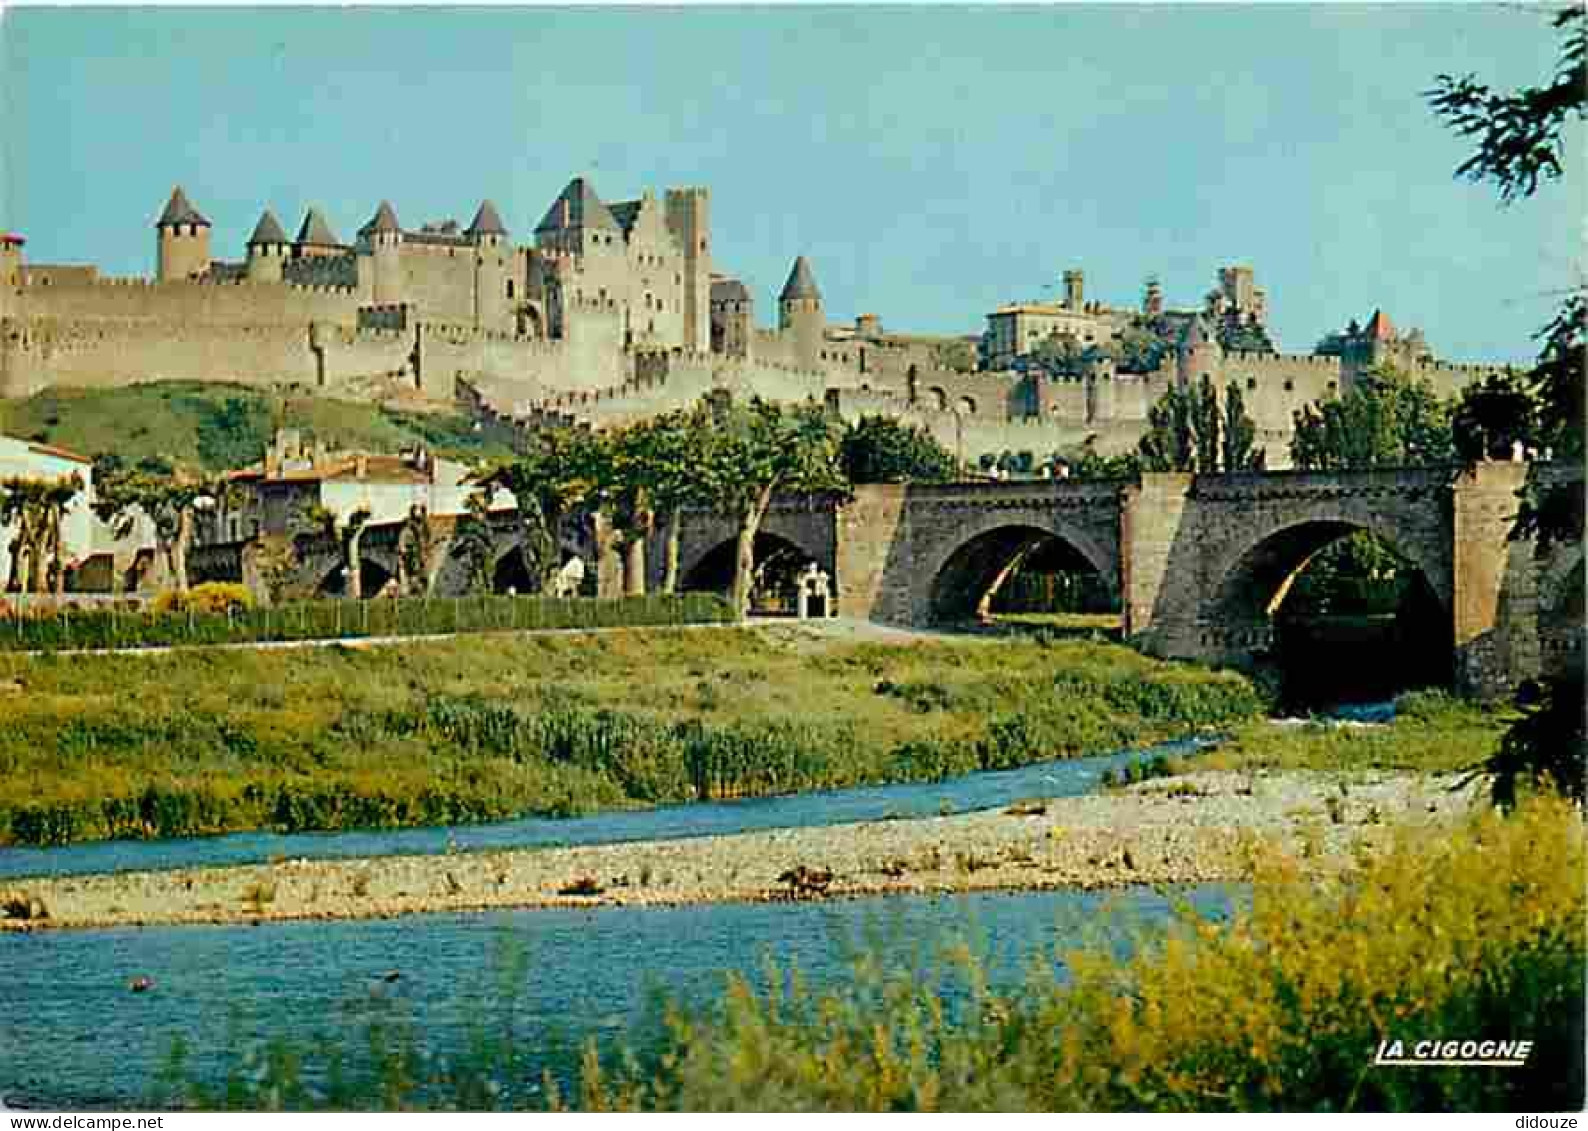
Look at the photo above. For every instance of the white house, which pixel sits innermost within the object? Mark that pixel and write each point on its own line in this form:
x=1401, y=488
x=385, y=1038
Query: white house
x=90, y=549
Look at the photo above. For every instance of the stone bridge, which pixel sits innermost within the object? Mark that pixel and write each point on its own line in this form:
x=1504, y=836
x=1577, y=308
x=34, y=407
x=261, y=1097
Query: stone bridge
x=1199, y=562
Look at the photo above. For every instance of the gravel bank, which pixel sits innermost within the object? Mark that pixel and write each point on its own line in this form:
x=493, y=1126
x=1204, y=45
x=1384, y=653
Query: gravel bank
x=1202, y=826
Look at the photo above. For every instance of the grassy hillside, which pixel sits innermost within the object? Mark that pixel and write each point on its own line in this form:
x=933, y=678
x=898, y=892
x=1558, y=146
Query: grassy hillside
x=218, y=426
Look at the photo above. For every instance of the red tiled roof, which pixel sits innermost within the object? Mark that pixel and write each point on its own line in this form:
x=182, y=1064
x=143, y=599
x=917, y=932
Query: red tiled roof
x=59, y=453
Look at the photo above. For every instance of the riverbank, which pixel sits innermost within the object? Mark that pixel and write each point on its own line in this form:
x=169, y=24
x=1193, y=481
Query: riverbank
x=486, y=729
x=1196, y=827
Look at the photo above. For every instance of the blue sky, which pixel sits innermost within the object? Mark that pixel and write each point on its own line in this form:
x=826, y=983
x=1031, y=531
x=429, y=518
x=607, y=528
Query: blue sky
x=932, y=162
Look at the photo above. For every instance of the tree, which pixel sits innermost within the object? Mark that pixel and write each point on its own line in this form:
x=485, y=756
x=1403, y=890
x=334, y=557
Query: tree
x=665, y=453
x=1188, y=430
x=37, y=509
x=1170, y=441
x=958, y=355
x=1520, y=134
x=1491, y=417
x=414, y=544
x=1237, y=443
x=1386, y=420
x=548, y=482
x=1062, y=355
x=345, y=531
x=753, y=452
x=1142, y=346
x=169, y=501
x=881, y=449
x=1205, y=425
x=1521, y=142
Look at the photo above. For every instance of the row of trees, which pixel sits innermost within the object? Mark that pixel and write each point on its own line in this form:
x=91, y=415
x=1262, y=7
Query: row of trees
x=731, y=458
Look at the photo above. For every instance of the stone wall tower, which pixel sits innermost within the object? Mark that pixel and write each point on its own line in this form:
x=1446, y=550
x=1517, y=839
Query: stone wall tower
x=182, y=237
x=799, y=313
x=688, y=214
x=492, y=268
x=1199, y=353
x=385, y=236
x=268, y=249
x=732, y=318
x=1074, y=289
x=10, y=269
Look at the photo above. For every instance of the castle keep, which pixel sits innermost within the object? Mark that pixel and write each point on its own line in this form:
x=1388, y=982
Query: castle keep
x=616, y=311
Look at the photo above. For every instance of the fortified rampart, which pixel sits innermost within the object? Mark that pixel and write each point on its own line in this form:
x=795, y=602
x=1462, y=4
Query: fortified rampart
x=613, y=313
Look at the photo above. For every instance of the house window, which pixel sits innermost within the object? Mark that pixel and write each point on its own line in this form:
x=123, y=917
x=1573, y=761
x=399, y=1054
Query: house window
x=509, y=288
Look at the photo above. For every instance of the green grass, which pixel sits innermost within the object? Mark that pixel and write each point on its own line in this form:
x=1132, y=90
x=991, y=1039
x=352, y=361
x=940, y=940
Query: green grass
x=490, y=727
x=1432, y=731
x=220, y=426
x=1474, y=935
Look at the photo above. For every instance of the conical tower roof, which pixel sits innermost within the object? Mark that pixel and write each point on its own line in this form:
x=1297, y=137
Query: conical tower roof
x=267, y=231
x=578, y=207
x=1380, y=328
x=486, y=222
x=384, y=220
x=315, y=232
x=801, y=282
x=179, y=211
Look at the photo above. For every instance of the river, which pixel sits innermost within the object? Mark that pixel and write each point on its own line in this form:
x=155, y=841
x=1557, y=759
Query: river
x=72, y=1035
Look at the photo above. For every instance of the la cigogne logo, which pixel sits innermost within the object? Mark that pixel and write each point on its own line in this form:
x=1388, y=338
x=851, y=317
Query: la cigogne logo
x=1471, y=1054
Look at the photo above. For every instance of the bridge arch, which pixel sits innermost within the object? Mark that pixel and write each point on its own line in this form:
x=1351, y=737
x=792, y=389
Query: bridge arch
x=373, y=574
x=1323, y=655
x=1252, y=577
x=778, y=558
x=965, y=572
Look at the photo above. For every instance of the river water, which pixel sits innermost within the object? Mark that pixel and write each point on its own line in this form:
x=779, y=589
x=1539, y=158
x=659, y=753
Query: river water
x=72, y=1035
x=984, y=790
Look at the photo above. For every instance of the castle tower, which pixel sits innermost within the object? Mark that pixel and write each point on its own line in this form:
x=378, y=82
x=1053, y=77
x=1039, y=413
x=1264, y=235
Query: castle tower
x=268, y=249
x=1152, y=298
x=799, y=313
x=385, y=237
x=315, y=237
x=688, y=213
x=10, y=269
x=182, y=240
x=1198, y=353
x=492, y=302
x=578, y=223
x=1074, y=289
x=11, y=259
x=732, y=318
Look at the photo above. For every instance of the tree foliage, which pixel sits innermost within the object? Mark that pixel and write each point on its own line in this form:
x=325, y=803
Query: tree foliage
x=1386, y=419
x=957, y=355
x=35, y=511
x=1520, y=139
x=881, y=449
x=168, y=501
x=1491, y=416
x=1198, y=431
x=1519, y=134
x=752, y=452
x=549, y=480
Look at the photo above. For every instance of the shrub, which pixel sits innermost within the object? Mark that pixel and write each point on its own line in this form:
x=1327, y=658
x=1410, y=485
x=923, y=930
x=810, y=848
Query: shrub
x=210, y=598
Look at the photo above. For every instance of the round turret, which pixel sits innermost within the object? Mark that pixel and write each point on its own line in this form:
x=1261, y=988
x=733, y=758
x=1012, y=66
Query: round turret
x=268, y=249
x=182, y=236
x=385, y=237
x=800, y=314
